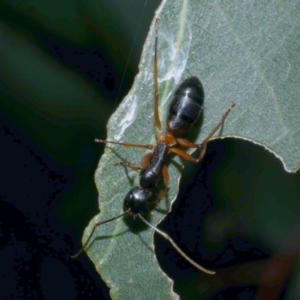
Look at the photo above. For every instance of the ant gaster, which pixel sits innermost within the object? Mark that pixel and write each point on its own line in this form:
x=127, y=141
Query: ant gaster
x=184, y=110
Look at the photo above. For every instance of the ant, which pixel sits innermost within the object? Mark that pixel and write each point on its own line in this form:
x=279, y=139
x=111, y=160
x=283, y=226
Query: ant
x=184, y=110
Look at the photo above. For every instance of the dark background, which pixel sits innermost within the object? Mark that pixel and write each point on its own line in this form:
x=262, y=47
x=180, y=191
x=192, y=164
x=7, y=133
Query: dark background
x=48, y=160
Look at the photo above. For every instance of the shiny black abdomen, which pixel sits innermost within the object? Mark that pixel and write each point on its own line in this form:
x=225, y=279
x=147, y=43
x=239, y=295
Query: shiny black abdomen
x=186, y=105
x=149, y=174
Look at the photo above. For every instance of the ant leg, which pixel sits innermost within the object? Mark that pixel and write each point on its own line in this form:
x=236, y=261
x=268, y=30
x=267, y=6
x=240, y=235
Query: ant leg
x=206, y=140
x=126, y=144
x=92, y=232
x=167, y=237
x=156, y=115
x=202, y=146
x=128, y=164
x=166, y=176
x=187, y=144
x=184, y=155
x=145, y=161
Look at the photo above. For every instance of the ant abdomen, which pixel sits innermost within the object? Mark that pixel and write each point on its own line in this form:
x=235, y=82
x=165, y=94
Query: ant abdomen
x=186, y=105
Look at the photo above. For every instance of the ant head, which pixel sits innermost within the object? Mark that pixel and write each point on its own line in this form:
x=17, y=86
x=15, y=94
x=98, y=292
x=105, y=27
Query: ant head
x=137, y=200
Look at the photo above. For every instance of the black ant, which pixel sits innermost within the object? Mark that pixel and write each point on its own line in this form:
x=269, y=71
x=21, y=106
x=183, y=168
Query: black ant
x=184, y=110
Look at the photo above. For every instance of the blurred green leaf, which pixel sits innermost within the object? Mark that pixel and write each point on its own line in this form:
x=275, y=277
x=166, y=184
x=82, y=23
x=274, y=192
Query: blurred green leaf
x=247, y=54
x=59, y=17
x=43, y=91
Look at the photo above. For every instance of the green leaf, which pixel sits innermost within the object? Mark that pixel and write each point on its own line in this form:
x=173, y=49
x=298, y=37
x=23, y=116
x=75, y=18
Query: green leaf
x=61, y=17
x=247, y=54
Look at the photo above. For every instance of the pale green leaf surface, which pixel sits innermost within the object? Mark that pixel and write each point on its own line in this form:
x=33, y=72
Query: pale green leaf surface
x=247, y=54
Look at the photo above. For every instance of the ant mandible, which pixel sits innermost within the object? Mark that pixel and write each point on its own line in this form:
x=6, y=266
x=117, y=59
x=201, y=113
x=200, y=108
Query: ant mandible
x=184, y=110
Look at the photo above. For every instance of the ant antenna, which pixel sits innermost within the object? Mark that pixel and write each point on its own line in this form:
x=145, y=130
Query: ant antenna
x=167, y=237
x=91, y=234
